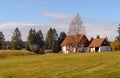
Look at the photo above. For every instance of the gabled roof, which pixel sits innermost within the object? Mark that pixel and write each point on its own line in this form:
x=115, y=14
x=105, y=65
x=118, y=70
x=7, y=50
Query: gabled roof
x=71, y=39
x=97, y=42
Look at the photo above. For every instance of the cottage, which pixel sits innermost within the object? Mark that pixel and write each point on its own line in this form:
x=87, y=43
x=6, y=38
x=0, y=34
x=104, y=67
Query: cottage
x=75, y=43
x=99, y=45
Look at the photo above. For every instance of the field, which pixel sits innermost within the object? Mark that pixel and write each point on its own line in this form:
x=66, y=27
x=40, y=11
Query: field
x=72, y=65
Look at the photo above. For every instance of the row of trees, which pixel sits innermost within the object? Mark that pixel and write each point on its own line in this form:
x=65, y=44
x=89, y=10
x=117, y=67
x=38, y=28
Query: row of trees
x=35, y=41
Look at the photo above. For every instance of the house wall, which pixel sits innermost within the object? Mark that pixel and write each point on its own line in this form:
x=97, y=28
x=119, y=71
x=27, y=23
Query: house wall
x=73, y=49
x=101, y=49
x=92, y=49
x=67, y=49
x=84, y=49
x=64, y=49
x=105, y=48
x=87, y=49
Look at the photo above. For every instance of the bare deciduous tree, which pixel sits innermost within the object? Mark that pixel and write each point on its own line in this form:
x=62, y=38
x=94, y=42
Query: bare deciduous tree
x=76, y=26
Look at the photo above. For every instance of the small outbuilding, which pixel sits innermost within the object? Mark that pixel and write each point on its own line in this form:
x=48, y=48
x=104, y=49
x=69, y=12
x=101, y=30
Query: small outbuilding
x=99, y=45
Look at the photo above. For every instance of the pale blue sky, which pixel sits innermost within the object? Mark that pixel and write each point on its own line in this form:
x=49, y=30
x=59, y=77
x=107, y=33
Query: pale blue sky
x=32, y=10
x=99, y=16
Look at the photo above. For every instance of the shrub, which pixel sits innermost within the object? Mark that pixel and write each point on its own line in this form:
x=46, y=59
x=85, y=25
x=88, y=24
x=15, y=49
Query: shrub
x=115, y=45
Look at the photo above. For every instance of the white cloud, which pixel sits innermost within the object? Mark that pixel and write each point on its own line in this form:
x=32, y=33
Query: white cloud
x=58, y=18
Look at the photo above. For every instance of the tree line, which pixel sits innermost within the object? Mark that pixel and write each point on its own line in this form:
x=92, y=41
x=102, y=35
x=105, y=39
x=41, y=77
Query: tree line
x=35, y=41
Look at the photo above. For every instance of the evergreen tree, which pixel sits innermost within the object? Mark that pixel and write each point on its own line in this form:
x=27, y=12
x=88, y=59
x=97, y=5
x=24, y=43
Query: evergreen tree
x=29, y=40
x=7, y=45
x=16, y=40
x=39, y=40
x=98, y=36
x=30, y=45
x=35, y=41
x=51, y=38
x=107, y=40
x=118, y=37
x=91, y=39
x=2, y=41
x=61, y=38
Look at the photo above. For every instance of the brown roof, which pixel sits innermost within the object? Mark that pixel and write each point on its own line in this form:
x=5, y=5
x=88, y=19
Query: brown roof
x=97, y=42
x=71, y=40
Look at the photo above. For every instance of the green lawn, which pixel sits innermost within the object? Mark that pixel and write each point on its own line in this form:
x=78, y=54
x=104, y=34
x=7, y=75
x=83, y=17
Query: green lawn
x=73, y=65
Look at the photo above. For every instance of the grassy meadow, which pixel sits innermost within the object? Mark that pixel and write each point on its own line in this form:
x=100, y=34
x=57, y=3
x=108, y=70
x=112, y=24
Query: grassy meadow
x=22, y=64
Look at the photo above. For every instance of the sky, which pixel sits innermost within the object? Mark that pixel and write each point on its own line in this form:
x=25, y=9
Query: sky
x=100, y=17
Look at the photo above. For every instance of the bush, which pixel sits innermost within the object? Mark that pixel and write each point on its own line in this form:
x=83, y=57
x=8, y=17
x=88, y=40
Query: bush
x=115, y=45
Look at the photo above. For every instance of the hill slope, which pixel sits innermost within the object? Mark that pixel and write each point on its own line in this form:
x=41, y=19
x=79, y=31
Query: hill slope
x=73, y=65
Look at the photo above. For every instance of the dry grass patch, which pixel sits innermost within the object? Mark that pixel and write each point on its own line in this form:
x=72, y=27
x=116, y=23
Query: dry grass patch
x=6, y=53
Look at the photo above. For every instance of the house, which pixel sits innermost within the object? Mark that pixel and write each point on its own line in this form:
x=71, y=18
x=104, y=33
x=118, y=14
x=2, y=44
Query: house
x=75, y=43
x=99, y=45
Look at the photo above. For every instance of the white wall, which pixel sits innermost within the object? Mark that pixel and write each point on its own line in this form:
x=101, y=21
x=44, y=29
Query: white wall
x=74, y=49
x=101, y=49
x=86, y=49
x=92, y=49
x=105, y=48
x=64, y=49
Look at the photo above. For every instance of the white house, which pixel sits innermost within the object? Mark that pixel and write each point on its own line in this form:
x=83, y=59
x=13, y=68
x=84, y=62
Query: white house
x=75, y=43
x=99, y=45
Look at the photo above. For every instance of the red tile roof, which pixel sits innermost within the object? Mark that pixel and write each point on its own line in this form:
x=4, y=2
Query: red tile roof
x=97, y=42
x=71, y=40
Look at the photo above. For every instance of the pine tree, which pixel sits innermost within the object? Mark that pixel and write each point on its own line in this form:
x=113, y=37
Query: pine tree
x=118, y=37
x=91, y=39
x=16, y=40
x=106, y=38
x=51, y=38
x=98, y=37
x=39, y=41
x=7, y=45
x=35, y=41
x=31, y=40
x=61, y=38
x=2, y=41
